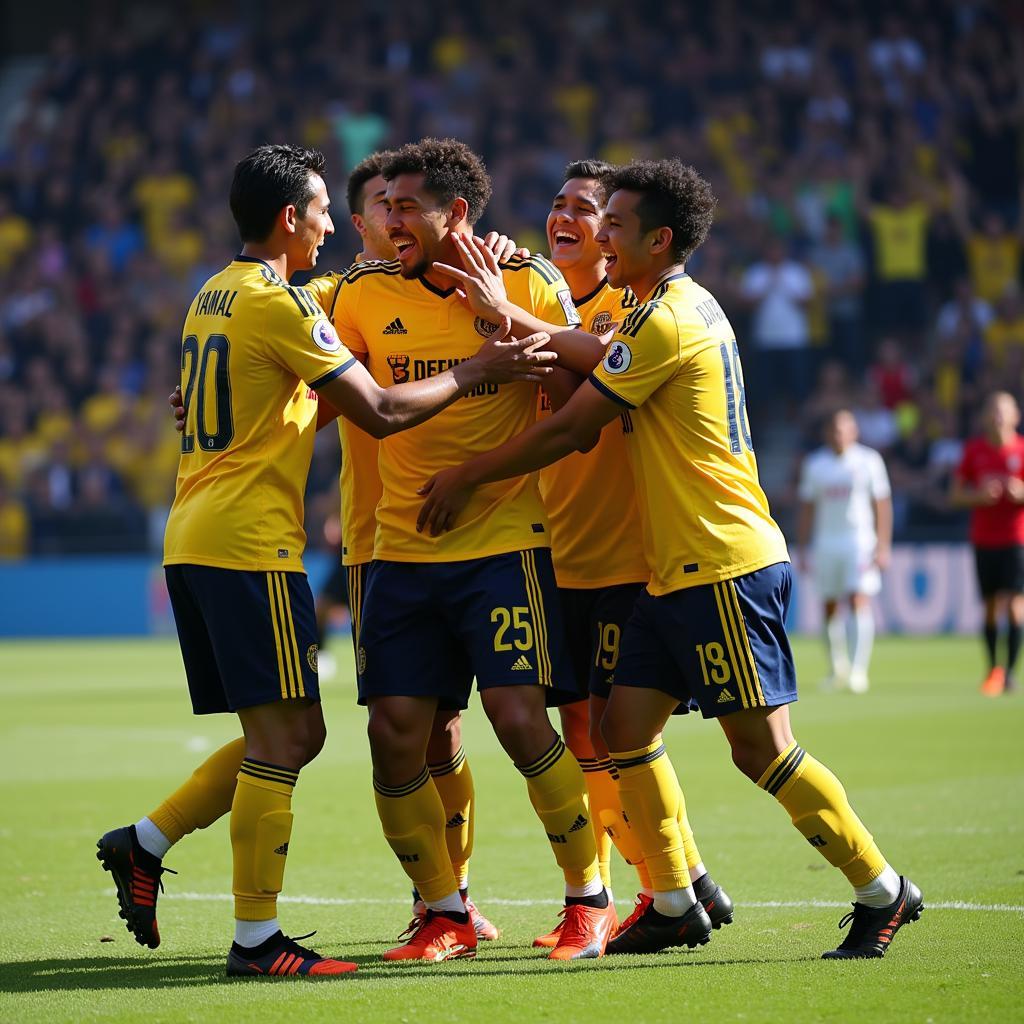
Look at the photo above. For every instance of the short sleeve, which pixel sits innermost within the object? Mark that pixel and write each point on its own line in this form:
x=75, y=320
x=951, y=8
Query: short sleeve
x=323, y=288
x=880, y=488
x=302, y=340
x=343, y=315
x=550, y=297
x=806, y=489
x=643, y=354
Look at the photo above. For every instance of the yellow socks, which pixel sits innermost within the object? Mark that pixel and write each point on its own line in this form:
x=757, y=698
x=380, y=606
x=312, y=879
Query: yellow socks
x=204, y=797
x=556, y=788
x=413, y=819
x=454, y=782
x=817, y=803
x=654, y=806
x=605, y=812
x=261, y=824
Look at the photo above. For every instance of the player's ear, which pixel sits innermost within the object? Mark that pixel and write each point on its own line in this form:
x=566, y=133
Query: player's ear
x=359, y=224
x=661, y=240
x=288, y=218
x=458, y=211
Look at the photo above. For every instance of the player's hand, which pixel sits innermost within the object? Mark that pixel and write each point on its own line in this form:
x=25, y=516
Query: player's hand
x=991, y=491
x=1015, y=490
x=177, y=404
x=503, y=247
x=447, y=494
x=883, y=556
x=479, y=281
x=507, y=360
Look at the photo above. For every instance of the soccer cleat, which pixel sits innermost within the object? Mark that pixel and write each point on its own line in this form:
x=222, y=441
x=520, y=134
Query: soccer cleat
x=643, y=901
x=651, y=932
x=550, y=940
x=439, y=937
x=483, y=928
x=873, y=928
x=714, y=899
x=995, y=682
x=282, y=957
x=584, y=932
x=858, y=681
x=137, y=878
x=419, y=915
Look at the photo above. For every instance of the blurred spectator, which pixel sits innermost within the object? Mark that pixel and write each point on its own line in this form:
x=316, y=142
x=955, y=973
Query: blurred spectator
x=1004, y=333
x=891, y=374
x=14, y=525
x=841, y=264
x=875, y=423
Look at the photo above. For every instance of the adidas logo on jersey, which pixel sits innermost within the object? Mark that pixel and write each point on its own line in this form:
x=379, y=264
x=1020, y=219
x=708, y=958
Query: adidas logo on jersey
x=522, y=665
x=395, y=327
x=455, y=820
x=579, y=823
x=725, y=696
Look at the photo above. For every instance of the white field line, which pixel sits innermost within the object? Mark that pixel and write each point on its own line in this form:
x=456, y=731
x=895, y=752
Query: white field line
x=362, y=901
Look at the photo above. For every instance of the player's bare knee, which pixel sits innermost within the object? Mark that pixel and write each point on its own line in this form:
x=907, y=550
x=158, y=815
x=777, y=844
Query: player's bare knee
x=751, y=756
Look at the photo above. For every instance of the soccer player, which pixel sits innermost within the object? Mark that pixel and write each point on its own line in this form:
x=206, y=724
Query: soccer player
x=710, y=626
x=990, y=481
x=361, y=490
x=596, y=546
x=255, y=355
x=480, y=601
x=846, y=506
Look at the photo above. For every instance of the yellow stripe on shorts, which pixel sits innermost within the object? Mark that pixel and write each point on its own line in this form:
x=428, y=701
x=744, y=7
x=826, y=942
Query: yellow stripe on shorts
x=355, y=599
x=757, y=693
x=272, y=599
x=535, y=600
x=293, y=645
x=723, y=614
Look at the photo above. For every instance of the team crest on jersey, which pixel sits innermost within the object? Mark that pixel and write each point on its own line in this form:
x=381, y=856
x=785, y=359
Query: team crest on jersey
x=325, y=337
x=399, y=363
x=602, y=323
x=572, y=316
x=313, y=656
x=484, y=327
x=618, y=358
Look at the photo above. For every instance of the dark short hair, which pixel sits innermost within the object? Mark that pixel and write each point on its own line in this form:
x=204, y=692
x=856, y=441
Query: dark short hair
x=673, y=195
x=597, y=170
x=363, y=171
x=268, y=179
x=450, y=169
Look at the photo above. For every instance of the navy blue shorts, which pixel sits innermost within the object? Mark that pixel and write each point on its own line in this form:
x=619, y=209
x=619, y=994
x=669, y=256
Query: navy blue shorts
x=722, y=646
x=594, y=623
x=427, y=628
x=246, y=638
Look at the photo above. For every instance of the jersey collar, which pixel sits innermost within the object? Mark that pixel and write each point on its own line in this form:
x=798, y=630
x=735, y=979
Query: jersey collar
x=242, y=258
x=444, y=293
x=586, y=298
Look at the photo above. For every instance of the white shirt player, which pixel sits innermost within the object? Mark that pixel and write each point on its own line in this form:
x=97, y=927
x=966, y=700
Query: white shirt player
x=843, y=488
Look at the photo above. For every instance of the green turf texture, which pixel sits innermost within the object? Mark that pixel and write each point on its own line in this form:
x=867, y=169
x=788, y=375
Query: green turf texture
x=94, y=734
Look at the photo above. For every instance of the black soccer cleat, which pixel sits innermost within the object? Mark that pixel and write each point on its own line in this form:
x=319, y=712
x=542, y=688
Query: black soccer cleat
x=136, y=873
x=652, y=932
x=282, y=957
x=714, y=899
x=873, y=928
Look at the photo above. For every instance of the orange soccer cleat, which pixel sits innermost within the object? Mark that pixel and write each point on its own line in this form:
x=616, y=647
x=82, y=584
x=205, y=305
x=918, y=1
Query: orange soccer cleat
x=643, y=901
x=438, y=938
x=584, y=932
x=550, y=940
x=995, y=682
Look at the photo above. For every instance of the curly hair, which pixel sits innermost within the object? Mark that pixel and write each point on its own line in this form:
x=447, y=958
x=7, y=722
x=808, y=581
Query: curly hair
x=450, y=169
x=363, y=171
x=672, y=195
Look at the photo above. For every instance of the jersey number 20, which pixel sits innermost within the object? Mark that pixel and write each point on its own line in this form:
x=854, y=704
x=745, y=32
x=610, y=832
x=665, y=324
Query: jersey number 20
x=735, y=398
x=216, y=347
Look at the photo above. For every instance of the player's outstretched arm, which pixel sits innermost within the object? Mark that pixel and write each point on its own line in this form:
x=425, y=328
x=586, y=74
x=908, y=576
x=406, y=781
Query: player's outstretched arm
x=568, y=430
x=482, y=286
x=501, y=359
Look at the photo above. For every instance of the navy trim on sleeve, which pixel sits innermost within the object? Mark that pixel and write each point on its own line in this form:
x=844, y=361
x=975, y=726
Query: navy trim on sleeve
x=331, y=374
x=607, y=391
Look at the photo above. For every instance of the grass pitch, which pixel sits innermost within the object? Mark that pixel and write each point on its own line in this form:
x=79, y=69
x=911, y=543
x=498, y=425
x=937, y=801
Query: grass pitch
x=94, y=734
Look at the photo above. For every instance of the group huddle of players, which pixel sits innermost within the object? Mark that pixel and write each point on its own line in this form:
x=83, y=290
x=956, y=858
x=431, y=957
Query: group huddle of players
x=548, y=486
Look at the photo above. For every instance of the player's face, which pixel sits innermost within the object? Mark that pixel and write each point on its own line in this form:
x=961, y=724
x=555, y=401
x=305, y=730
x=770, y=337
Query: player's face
x=416, y=226
x=842, y=431
x=376, y=243
x=572, y=224
x=312, y=229
x=1002, y=413
x=625, y=247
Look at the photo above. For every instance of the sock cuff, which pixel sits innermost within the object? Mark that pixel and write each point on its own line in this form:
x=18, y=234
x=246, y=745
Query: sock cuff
x=270, y=776
x=781, y=770
x=590, y=765
x=546, y=760
x=406, y=789
x=449, y=766
x=635, y=758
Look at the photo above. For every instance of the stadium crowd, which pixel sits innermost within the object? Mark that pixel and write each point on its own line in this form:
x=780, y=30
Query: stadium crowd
x=867, y=244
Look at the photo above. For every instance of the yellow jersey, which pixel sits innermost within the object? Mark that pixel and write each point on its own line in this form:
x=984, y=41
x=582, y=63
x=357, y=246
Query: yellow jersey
x=359, y=481
x=901, y=237
x=589, y=497
x=675, y=366
x=249, y=346
x=411, y=330
x=994, y=263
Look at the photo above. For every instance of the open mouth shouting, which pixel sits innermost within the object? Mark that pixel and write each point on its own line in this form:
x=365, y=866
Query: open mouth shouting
x=406, y=247
x=564, y=241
